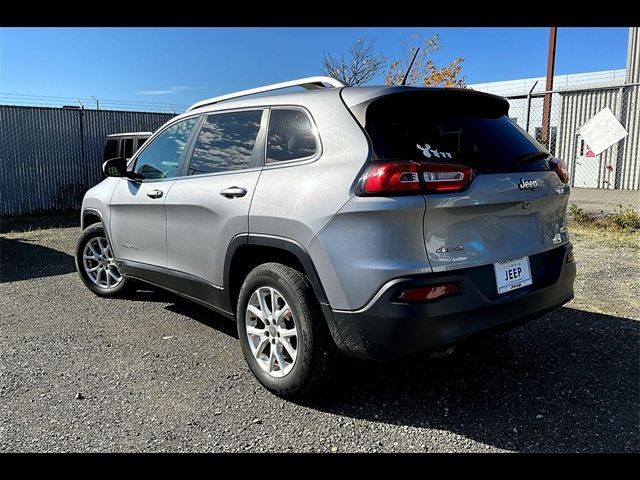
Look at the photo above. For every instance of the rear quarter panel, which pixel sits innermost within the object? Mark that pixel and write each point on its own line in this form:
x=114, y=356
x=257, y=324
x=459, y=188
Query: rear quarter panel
x=296, y=199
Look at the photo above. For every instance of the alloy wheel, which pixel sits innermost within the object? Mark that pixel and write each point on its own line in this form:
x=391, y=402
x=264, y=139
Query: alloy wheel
x=271, y=331
x=99, y=263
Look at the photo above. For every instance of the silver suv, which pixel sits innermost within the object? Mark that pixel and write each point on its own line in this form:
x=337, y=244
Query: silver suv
x=373, y=221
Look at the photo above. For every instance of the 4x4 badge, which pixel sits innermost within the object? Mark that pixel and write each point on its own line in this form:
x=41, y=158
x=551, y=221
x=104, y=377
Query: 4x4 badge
x=457, y=248
x=527, y=184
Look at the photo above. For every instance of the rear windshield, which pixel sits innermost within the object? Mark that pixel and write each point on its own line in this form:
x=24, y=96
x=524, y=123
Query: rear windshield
x=451, y=126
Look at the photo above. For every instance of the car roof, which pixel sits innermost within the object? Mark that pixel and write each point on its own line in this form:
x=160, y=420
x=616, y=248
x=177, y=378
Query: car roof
x=130, y=134
x=350, y=95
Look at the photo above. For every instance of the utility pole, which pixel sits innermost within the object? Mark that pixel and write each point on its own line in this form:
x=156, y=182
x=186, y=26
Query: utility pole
x=546, y=106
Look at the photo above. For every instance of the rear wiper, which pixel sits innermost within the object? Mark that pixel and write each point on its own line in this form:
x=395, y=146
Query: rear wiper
x=534, y=156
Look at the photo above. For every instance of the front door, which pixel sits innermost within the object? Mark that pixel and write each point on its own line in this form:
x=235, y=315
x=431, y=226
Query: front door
x=138, y=216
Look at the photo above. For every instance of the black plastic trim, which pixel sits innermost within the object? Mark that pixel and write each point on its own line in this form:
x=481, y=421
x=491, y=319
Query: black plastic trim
x=92, y=211
x=235, y=243
x=194, y=287
x=385, y=329
x=143, y=271
x=299, y=251
x=182, y=284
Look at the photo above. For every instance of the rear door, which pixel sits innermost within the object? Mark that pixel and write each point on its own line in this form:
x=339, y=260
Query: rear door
x=515, y=204
x=209, y=204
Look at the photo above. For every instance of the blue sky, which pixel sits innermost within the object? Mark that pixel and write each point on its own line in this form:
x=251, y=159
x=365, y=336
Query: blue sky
x=183, y=65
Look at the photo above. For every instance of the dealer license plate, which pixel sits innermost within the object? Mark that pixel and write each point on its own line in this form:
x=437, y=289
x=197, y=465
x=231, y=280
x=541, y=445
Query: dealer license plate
x=512, y=274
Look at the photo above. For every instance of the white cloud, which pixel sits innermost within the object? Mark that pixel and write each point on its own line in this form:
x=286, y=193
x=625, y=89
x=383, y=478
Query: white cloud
x=155, y=92
x=168, y=91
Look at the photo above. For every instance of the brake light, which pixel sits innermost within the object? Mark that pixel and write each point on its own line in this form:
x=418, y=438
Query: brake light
x=414, y=177
x=393, y=177
x=426, y=294
x=560, y=168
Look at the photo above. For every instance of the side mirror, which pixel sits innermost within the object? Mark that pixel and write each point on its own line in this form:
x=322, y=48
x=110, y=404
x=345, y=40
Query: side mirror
x=117, y=167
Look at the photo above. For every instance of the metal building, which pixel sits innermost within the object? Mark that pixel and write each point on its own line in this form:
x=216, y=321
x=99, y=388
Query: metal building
x=575, y=99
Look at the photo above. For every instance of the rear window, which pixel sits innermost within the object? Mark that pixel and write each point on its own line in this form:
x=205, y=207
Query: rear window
x=111, y=149
x=291, y=136
x=451, y=126
x=128, y=148
x=140, y=143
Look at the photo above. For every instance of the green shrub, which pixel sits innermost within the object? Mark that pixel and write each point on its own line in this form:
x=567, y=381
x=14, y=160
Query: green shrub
x=579, y=215
x=626, y=218
x=622, y=219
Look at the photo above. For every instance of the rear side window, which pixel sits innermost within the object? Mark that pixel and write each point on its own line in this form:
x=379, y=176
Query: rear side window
x=111, y=149
x=291, y=136
x=225, y=142
x=140, y=143
x=451, y=126
x=128, y=148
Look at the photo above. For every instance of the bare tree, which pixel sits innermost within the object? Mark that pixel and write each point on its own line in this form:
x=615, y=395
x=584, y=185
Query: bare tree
x=424, y=72
x=360, y=66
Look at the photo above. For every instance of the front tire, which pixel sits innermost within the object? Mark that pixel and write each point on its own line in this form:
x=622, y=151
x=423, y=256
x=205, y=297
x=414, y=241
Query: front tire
x=282, y=332
x=96, y=264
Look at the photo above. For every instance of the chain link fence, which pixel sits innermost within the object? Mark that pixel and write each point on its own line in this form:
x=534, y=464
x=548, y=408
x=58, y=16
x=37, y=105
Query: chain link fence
x=600, y=182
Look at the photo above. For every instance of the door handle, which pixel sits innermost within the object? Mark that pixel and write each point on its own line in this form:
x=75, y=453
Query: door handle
x=155, y=193
x=233, y=192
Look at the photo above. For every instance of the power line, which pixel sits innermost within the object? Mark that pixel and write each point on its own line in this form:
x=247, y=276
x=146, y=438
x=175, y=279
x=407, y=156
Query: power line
x=87, y=98
x=90, y=100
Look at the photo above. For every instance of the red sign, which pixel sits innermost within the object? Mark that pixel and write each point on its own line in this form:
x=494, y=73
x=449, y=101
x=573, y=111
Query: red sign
x=589, y=153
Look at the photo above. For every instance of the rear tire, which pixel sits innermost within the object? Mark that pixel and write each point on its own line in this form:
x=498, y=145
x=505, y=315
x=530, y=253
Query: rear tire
x=96, y=264
x=290, y=365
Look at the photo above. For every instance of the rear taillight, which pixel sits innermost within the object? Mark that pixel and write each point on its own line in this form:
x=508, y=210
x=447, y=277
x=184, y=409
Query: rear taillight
x=560, y=168
x=413, y=177
x=392, y=177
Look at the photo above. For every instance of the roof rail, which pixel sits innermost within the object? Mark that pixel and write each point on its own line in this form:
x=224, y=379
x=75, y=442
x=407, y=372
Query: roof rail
x=309, y=83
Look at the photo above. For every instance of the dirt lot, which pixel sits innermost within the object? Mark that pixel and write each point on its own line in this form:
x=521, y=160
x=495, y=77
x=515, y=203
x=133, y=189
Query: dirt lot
x=152, y=372
x=600, y=199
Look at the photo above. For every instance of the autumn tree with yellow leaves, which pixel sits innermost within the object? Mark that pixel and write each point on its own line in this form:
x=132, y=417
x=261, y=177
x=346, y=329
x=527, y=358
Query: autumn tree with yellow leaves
x=362, y=64
x=424, y=72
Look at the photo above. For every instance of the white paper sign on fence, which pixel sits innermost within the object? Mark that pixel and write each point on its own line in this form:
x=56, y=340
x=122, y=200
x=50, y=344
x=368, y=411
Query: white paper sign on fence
x=602, y=131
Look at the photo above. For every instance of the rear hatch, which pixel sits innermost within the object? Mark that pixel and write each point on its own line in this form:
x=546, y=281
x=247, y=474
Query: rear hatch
x=492, y=192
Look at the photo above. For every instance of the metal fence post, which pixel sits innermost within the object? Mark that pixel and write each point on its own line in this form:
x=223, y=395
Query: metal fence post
x=529, y=105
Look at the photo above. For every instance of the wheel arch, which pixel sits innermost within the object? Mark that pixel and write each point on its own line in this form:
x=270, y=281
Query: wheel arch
x=89, y=217
x=247, y=251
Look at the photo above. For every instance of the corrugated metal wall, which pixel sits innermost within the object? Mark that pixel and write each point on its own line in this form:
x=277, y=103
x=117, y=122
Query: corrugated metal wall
x=50, y=156
x=620, y=165
x=628, y=172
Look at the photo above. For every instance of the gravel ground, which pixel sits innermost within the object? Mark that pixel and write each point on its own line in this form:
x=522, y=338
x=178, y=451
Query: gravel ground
x=153, y=372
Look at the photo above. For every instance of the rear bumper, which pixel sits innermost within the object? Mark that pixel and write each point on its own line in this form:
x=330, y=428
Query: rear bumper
x=385, y=329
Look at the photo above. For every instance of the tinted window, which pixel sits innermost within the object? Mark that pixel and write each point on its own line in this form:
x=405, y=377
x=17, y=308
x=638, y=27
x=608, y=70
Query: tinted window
x=450, y=126
x=111, y=149
x=161, y=157
x=225, y=142
x=140, y=143
x=553, y=134
x=291, y=136
x=128, y=148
